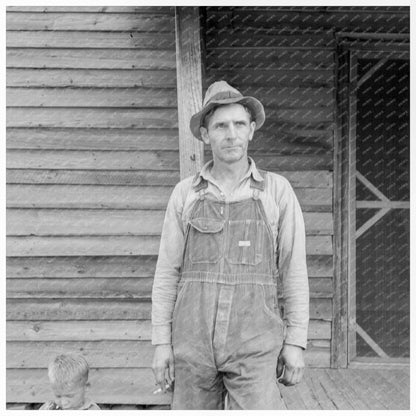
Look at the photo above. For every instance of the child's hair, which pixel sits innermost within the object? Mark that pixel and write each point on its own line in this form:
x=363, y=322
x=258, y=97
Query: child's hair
x=68, y=369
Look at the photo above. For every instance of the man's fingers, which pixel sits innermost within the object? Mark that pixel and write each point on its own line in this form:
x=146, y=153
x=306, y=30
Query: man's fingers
x=280, y=367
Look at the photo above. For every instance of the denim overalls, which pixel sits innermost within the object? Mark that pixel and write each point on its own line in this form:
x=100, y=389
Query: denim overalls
x=227, y=331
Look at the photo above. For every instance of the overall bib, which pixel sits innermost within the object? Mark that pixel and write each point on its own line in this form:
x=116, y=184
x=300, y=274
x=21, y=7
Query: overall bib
x=227, y=331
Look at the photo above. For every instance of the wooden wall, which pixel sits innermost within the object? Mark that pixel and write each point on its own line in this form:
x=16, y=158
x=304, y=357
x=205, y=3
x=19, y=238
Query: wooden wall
x=92, y=156
x=286, y=57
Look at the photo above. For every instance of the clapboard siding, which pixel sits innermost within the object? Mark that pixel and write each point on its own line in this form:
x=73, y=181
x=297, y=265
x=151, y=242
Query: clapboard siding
x=93, y=78
x=91, y=104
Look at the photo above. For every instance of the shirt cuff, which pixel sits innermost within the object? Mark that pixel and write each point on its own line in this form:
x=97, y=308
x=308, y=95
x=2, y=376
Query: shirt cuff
x=296, y=336
x=161, y=334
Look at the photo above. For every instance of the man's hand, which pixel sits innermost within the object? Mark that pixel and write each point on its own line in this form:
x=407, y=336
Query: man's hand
x=290, y=365
x=163, y=367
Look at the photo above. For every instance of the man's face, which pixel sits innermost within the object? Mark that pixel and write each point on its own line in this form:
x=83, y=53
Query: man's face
x=229, y=131
x=69, y=397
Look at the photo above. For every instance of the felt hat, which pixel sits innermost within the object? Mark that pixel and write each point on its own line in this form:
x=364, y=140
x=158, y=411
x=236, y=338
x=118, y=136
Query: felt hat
x=221, y=93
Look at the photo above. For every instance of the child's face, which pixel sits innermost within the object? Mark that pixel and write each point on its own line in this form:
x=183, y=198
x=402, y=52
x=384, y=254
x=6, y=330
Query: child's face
x=69, y=397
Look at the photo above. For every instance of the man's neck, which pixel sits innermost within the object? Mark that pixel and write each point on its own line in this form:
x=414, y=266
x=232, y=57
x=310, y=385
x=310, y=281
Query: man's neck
x=227, y=174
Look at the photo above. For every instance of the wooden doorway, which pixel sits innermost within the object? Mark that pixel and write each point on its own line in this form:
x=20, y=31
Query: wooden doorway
x=375, y=213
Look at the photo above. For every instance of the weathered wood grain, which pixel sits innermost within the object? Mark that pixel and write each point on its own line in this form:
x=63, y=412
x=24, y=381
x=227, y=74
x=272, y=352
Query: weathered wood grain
x=83, y=97
x=90, y=288
x=92, y=139
x=93, y=9
x=94, y=78
x=119, y=266
x=115, y=245
x=89, y=21
x=88, y=39
x=123, y=197
x=91, y=59
x=134, y=330
x=67, y=309
x=91, y=117
x=86, y=266
x=114, y=222
x=99, y=354
x=93, y=177
x=85, y=159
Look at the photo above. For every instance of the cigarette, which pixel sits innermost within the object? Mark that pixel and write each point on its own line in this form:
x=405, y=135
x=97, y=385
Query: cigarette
x=159, y=390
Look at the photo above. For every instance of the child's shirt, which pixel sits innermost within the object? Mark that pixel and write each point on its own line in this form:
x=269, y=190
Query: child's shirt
x=88, y=405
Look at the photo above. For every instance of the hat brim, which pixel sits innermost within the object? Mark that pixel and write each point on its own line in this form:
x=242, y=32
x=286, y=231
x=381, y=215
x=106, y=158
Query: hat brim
x=255, y=106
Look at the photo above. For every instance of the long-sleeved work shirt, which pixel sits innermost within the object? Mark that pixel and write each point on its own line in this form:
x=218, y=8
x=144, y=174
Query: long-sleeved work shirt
x=286, y=221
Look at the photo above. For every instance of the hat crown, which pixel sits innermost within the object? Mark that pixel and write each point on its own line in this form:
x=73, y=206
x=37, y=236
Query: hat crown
x=220, y=90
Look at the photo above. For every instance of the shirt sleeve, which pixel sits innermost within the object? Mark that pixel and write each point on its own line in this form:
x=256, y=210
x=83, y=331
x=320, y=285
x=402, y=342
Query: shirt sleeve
x=168, y=267
x=292, y=267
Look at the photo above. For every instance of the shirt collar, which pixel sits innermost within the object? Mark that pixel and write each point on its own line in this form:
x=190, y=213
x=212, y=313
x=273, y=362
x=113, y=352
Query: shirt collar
x=205, y=172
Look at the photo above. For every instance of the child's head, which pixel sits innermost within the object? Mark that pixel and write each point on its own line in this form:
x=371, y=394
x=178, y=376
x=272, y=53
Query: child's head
x=68, y=375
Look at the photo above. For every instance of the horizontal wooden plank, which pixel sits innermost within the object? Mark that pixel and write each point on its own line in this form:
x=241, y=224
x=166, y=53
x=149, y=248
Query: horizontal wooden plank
x=91, y=58
x=83, y=97
x=124, y=197
x=128, y=266
x=92, y=139
x=91, y=78
x=64, y=308
x=112, y=288
x=92, y=177
x=113, y=385
x=88, y=245
x=92, y=117
x=83, y=39
x=270, y=58
x=135, y=330
x=90, y=21
x=322, y=287
x=108, y=354
x=84, y=266
x=67, y=309
x=115, y=246
x=46, y=222
x=99, y=354
x=86, y=159
x=118, y=330
x=92, y=9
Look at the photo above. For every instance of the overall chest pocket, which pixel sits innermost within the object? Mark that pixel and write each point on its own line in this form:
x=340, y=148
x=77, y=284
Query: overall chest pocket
x=206, y=239
x=246, y=242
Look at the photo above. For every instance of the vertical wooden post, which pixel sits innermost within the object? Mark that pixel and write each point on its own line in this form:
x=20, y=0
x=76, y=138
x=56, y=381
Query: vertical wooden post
x=189, y=81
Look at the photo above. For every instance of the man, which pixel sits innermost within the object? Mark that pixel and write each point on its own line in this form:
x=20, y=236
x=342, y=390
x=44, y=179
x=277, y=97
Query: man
x=229, y=233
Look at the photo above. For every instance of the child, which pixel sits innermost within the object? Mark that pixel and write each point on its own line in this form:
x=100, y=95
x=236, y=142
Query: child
x=68, y=375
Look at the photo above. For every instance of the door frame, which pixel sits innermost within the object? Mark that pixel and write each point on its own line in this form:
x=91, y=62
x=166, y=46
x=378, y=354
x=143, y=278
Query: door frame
x=343, y=344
